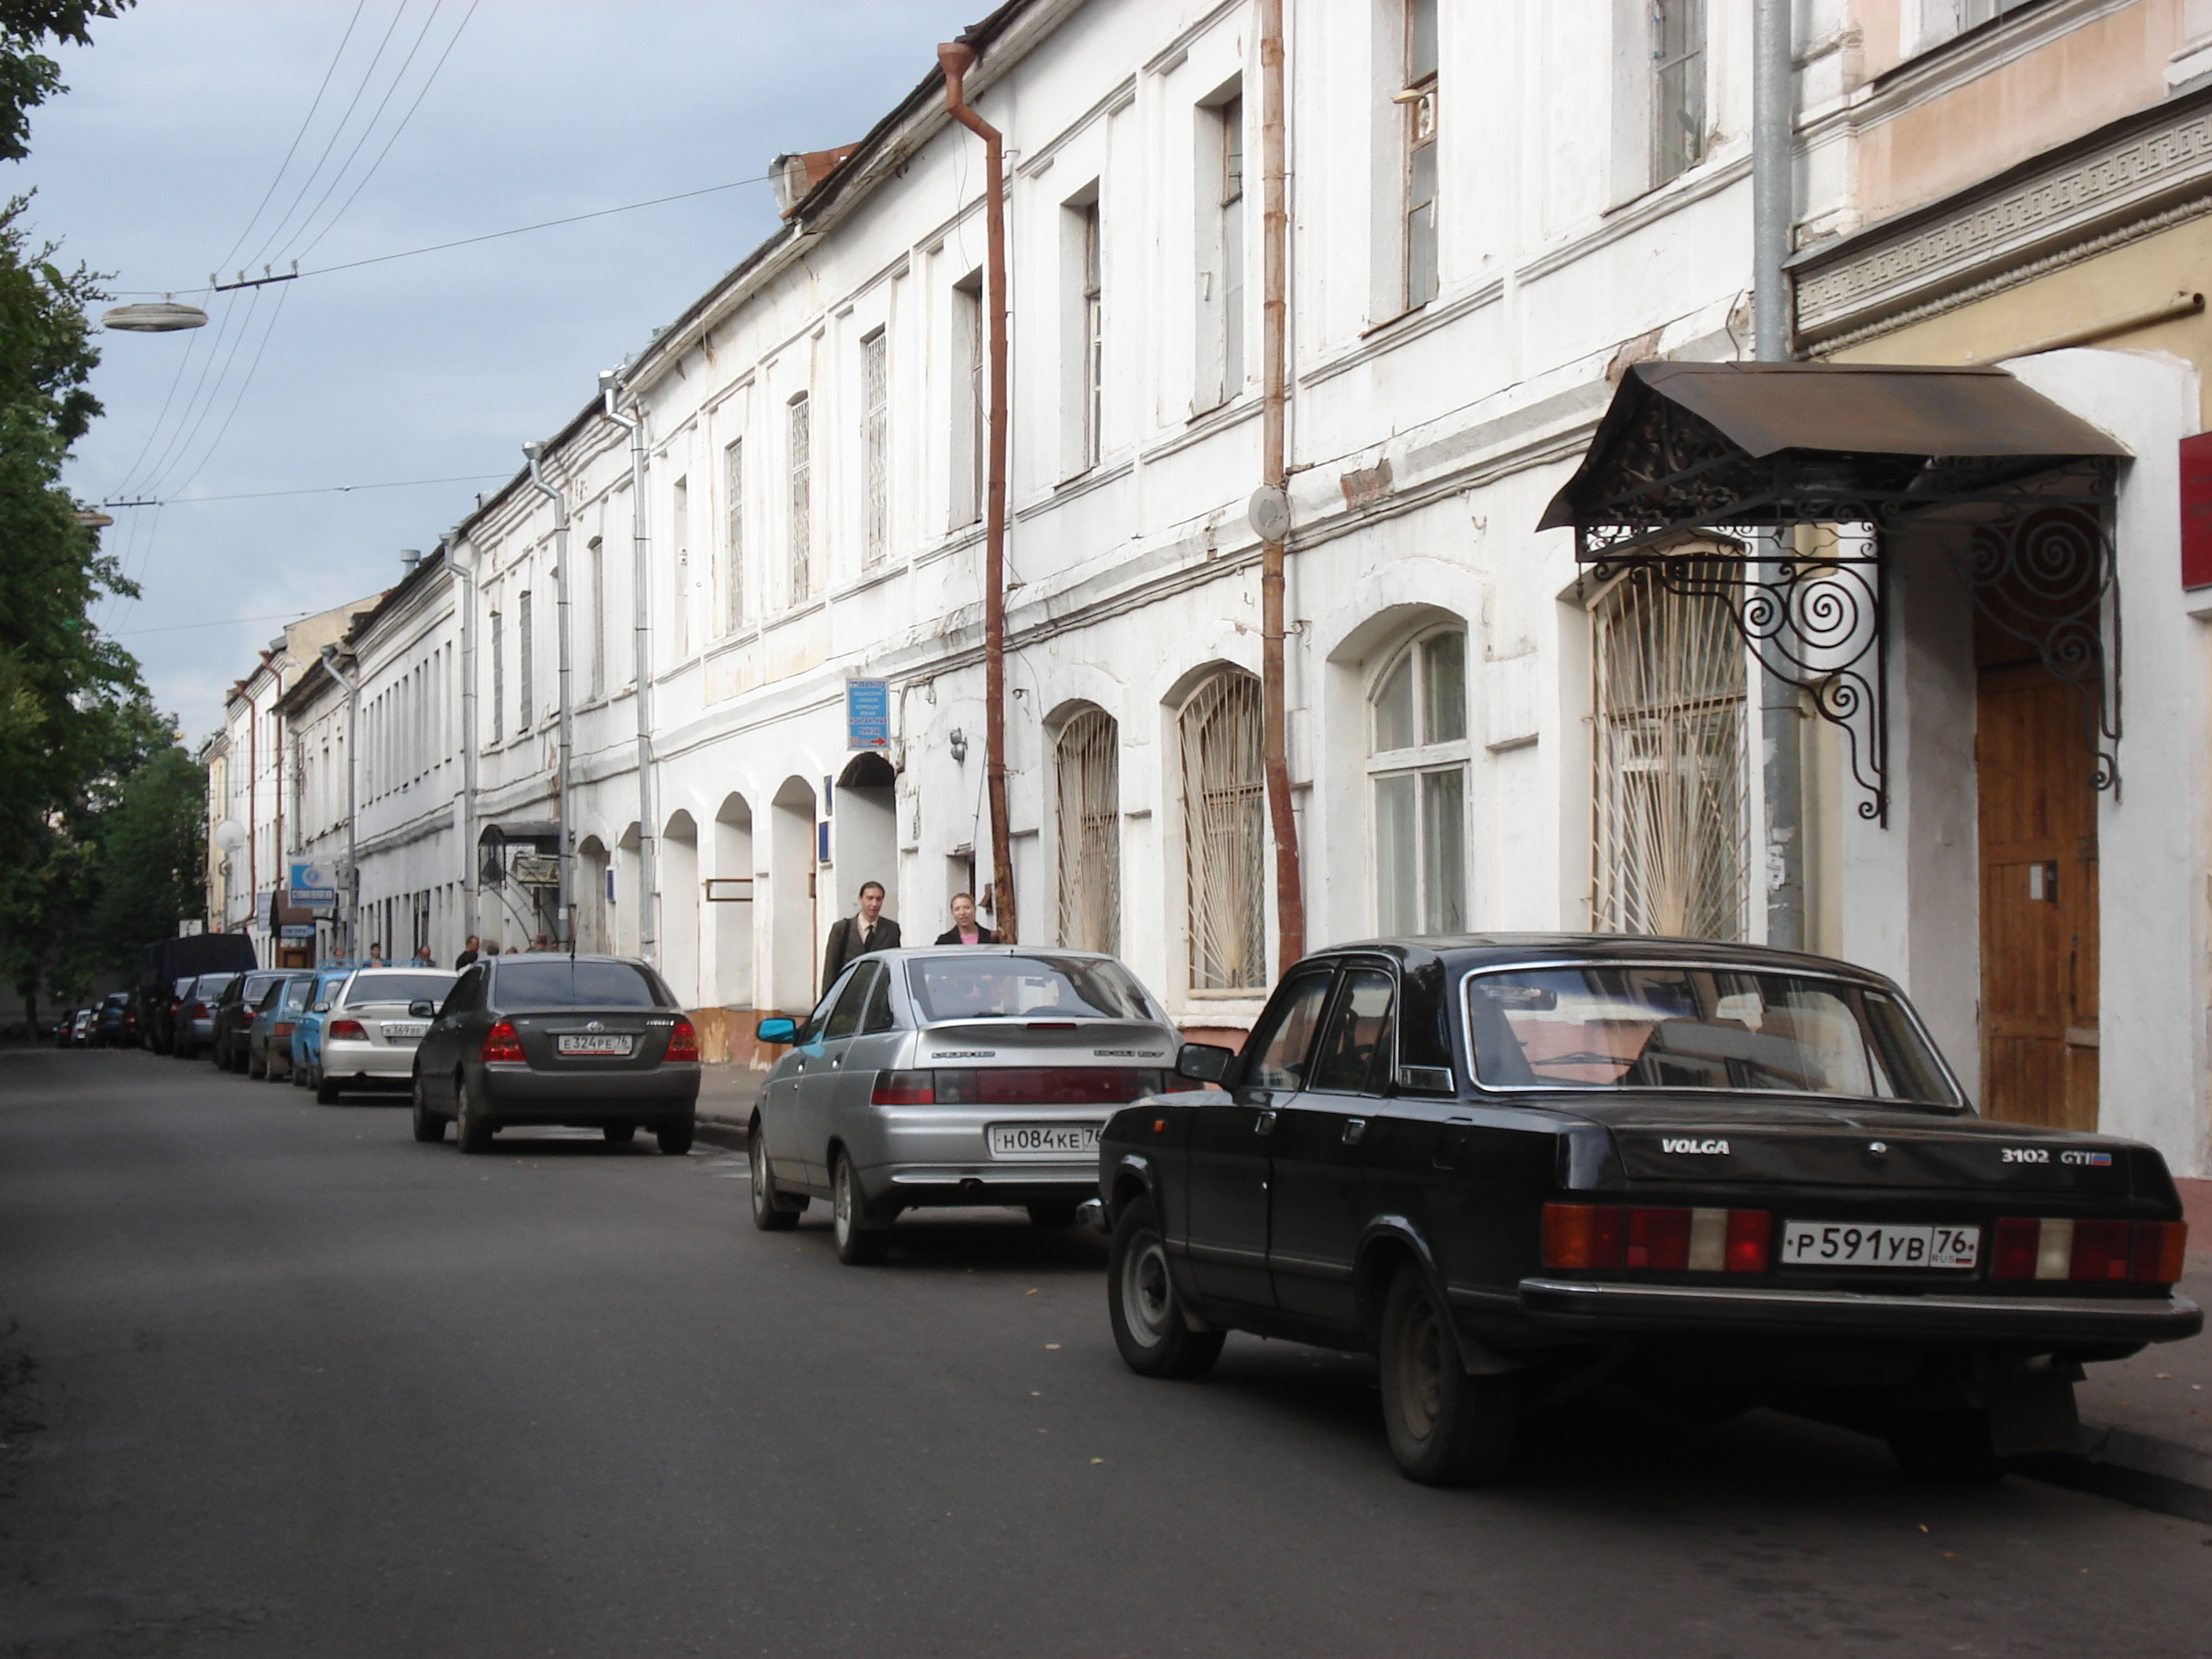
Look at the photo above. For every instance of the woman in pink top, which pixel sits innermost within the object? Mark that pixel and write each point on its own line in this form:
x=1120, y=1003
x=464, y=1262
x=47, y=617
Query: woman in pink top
x=965, y=929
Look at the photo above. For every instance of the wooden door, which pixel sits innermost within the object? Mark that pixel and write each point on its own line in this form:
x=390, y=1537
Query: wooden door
x=2038, y=873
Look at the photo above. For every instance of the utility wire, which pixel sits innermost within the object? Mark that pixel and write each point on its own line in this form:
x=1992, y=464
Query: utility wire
x=219, y=622
x=306, y=122
x=208, y=454
x=315, y=489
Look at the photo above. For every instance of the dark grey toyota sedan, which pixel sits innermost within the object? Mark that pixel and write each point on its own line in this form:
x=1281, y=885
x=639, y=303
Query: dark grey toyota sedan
x=589, y=1042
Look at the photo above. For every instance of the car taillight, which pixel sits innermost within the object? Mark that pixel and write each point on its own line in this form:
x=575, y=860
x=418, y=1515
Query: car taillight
x=904, y=1089
x=501, y=1043
x=1667, y=1240
x=683, y=1042
x=200, y=1010
x=344, y=1028
x=2057, y=1246
x=281, y=1028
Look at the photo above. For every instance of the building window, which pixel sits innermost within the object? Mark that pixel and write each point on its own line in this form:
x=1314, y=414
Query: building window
x=1224, y=833
x=1086, y=385
x=526, y=682
x=498, y=675
x=1678, y=89
x=1088, y=767
x=1417, y=766
x=800, y=441
x=1671, y=852
x=968, y=402
x=679, y=512
x=1939, y=19
x=597, y=549
x=733, y=536
x=1419, y=98
x=1221, y=250
x=876, y=445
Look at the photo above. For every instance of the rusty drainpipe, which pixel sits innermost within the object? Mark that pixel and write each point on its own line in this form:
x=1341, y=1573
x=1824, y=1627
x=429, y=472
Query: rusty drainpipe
x=1275, y=236
x=957, y=58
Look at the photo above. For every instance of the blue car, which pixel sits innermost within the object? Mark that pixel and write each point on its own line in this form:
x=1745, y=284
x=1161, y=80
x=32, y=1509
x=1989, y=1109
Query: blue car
x=308, y=1032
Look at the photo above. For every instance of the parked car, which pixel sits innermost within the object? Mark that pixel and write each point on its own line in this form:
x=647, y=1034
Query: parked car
x=307, y=1030
x=169, y=961
x=269, y=1038
x=952, y=1076
x=165, y=1015
x=233, y=1016
x=590, y=1042
x=195, y=1017
x=371, y=1028
x=112, y=1021
x=1722, y=1174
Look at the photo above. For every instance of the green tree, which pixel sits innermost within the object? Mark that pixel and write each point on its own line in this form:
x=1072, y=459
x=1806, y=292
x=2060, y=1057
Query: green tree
x=27, y=76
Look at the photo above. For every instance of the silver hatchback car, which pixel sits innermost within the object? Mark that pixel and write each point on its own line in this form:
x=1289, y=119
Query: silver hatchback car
x=959, y=1075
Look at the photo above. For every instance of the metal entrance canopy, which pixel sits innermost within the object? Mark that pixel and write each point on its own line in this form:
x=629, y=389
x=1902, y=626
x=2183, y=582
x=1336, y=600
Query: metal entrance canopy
x=2019, y=491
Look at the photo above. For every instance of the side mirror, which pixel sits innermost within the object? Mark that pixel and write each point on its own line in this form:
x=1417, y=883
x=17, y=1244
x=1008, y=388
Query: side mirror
x=319, y=1008
x=422, y=1008
x=1204, y=1061
x=776, y=1030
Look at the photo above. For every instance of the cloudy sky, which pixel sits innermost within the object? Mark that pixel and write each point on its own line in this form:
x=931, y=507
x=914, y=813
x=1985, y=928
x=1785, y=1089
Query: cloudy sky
x=186, y=145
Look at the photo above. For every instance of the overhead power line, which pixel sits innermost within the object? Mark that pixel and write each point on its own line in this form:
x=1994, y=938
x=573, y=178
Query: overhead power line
x=315, y=489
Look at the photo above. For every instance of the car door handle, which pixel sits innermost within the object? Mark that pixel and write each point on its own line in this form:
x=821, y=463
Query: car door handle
x=1264, y=1124
x=1353, y=1128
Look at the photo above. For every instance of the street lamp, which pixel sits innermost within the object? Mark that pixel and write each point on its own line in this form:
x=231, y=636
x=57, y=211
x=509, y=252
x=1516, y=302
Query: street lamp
x=153, y=317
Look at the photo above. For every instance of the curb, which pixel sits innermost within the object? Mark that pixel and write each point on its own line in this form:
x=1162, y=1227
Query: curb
x=2133, y=1468
x=721, y=1132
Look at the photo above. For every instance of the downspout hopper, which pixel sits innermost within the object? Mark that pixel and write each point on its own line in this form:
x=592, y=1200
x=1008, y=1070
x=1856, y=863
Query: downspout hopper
x=642, y=647
x=957, y=58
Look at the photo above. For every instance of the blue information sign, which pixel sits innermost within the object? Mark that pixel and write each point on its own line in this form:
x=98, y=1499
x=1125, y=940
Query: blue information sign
x=867, y=713
x=313, y=884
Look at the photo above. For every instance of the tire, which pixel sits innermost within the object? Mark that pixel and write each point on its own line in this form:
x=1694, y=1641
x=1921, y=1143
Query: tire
x=858, y=1245
x=1446, y=1428
x=618, y=1135
x=772, y=1212
x=326, y=1092
x=674, y=1140
x=471, y=1127
x=259, y=1070
x=1946, y=1448
x=429, y=1125
x=1054, y=1214
x=1149, y=1326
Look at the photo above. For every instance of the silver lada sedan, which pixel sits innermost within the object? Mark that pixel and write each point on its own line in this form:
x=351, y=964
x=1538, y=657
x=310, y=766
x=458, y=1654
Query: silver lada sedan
x=952, y=1076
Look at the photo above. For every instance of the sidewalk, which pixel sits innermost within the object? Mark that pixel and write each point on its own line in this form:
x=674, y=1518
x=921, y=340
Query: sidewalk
x=726, y=1094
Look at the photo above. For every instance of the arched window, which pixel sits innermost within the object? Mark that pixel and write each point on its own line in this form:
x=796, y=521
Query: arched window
x=1671, y=855
x=1088, y=766
x=1416, y=765
x=1224, y=829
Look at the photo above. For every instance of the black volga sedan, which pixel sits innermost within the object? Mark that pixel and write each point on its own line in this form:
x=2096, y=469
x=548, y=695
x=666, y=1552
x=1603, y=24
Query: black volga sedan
x=593, y=1041
x=1514, y=1166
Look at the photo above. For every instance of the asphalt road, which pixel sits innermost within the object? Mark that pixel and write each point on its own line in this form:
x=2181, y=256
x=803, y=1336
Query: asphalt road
x=276, y=1381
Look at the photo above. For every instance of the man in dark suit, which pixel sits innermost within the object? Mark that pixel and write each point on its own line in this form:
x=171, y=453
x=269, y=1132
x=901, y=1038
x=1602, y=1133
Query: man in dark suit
x=857, y=935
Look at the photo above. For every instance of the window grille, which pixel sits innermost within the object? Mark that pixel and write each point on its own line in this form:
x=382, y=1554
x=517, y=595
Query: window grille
x=1418, y=763
x=1672, y=856
x=876, y=443
x=1224, y=828
x=1089, y=770
x=1678, y=99
x=733, y=536
x=802, y=501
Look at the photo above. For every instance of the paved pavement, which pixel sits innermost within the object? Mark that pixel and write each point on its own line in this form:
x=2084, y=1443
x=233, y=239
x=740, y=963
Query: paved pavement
x=275, y=1381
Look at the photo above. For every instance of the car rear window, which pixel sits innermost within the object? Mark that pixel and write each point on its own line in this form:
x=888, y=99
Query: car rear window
x=973, y=986
x=397, y=988
x=209, y=984
x=558, y=982
x=1713, y=1029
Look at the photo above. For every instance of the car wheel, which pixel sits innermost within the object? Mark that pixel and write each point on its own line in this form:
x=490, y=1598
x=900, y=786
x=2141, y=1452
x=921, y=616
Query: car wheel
x=429, y=1125
x=772, y=1212
x=257, y=1068
x=326, y=1091
x=471, y=1126
x=1446, y=1427
x=1149, y=1326
x=858, y=1245
x=674, y=1139
x=1054, y=1214
x=1946, y=1448
x=618, y=1135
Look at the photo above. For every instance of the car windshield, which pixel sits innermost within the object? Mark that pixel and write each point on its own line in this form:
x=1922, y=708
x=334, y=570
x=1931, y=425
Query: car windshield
x=972, y=986
x=1618, y=1026
x=397, y=988
x=558, y=982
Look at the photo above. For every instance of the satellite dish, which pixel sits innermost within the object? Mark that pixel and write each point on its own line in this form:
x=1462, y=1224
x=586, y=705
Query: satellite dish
x=229, y=835
x=155, y=317
x=1268, y=512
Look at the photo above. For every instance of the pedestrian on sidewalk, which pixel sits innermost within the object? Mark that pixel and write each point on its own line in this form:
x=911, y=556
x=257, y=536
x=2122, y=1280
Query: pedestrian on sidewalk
x=541, y=943
x=965, y=929
x=376, y=956
x=468, y=954
x=868, y=929
x=423, y=958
